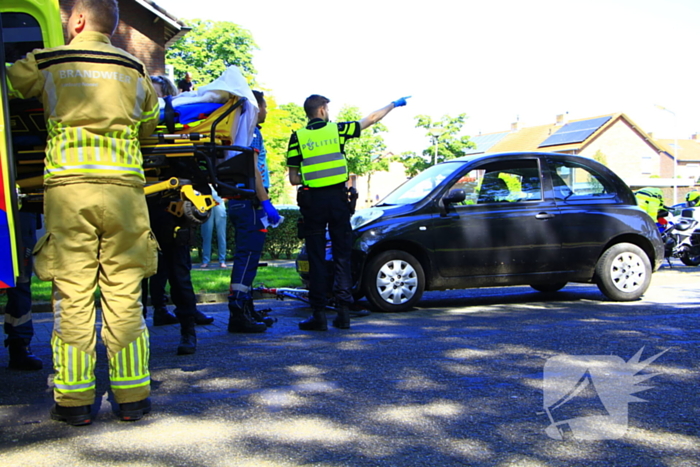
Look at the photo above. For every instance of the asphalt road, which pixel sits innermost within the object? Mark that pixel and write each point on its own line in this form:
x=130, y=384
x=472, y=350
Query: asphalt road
x=461, y=381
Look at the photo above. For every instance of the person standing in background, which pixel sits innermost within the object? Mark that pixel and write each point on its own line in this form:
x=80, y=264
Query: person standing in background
x=186, y=84
x=217, y=220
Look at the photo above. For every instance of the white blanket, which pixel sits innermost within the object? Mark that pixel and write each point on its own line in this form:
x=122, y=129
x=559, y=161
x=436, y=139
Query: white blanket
x=230, y=83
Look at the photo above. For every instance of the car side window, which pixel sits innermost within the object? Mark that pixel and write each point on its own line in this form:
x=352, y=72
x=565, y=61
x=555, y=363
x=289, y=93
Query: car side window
x=501, y=182
x=573, y=181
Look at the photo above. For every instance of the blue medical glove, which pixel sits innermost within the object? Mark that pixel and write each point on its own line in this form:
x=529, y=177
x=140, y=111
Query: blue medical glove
x=272, y=215
x=400, y=102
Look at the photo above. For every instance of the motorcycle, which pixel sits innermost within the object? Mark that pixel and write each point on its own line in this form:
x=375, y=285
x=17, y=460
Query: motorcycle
x=681, y=237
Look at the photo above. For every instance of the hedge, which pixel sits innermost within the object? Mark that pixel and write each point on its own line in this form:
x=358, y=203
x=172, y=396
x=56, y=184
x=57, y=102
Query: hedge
x=281, y=242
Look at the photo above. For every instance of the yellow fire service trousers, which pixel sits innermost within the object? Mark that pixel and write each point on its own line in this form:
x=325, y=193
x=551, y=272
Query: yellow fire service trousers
x=97, y=234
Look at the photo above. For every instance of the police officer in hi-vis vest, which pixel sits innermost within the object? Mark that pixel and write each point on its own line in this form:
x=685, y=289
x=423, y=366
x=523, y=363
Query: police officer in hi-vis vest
x=316, y=161
x=97, y=100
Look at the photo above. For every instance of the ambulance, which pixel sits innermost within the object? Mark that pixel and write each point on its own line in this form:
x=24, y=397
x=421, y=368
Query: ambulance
x=25, y=25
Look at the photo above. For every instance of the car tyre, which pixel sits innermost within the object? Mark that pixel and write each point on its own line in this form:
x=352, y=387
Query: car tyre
x=394, y=281
x=623, y=272
x=549, y=288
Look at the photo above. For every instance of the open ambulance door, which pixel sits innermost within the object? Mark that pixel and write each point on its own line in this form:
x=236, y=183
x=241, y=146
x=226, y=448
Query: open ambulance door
x=9, y=230
x=24, y=25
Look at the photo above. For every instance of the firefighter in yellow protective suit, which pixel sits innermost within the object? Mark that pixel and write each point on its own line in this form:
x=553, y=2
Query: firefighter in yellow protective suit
x=97, y=100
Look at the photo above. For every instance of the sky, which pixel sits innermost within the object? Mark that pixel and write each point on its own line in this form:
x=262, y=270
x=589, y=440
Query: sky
x=498, y=61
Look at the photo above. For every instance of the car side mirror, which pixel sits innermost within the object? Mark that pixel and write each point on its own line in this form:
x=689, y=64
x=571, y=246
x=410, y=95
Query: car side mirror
x=455, y=195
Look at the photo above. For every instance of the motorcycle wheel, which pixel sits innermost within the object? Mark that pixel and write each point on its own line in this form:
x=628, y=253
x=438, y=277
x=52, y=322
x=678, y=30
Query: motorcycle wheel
x=692, y=257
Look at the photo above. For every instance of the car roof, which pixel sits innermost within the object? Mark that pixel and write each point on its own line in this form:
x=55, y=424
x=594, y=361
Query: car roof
x=477, y=157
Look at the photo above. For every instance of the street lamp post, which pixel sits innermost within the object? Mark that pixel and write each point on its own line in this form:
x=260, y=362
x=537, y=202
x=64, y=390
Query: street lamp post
x=435, y=152
x=675, y=150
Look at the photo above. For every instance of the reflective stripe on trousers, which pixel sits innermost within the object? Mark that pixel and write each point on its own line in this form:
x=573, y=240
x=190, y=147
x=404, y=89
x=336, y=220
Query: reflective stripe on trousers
x=75, y=369
x=129, y=367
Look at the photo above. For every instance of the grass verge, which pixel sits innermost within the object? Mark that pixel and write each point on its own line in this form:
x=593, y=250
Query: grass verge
x=203, y=281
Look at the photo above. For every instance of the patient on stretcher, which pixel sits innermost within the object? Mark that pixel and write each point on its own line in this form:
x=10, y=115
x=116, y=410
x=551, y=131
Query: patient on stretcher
x=187, y=112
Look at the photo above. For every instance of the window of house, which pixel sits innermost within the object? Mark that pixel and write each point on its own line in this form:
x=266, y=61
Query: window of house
x=647, y=165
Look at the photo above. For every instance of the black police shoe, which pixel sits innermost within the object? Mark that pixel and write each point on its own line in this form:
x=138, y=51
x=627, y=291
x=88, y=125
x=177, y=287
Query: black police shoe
x=188, y=340
x=161, y=317
x=132, y=411
x=21, y=357
x=342, y=321
x=317, y=322
x=76, y=416
x=200, y=318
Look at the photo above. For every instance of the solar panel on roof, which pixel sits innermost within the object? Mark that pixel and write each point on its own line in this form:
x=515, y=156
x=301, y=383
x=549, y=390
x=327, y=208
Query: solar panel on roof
x=484, y=142
x=575, y=132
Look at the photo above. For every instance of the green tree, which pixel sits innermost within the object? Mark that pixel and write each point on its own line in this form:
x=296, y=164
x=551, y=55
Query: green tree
x=364, y=153
x=445, y=142
x=599, y=156
x=211, y=47
x=281, y=121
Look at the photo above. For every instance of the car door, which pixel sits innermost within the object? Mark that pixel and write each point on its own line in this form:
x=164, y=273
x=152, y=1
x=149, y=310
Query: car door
x=590, y=206
x=496, y=231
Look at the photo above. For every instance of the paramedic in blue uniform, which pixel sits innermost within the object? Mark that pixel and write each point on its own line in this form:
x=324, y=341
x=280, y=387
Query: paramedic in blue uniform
x=316, y=161
x=18, y=312
x=247, y=219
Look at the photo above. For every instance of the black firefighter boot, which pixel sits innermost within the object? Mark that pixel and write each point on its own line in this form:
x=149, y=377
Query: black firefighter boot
x=21, y=357
x=316, y=322
x=342, y=321
x=188, y=336
x=241, y=318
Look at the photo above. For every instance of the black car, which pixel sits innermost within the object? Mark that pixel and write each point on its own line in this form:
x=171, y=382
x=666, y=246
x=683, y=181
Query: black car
x=538, y=219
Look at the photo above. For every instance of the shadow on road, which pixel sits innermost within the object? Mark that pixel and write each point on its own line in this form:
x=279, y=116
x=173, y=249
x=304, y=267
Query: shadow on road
x=458, y=381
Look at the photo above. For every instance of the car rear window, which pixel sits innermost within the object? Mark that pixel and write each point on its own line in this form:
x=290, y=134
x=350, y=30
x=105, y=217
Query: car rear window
x=571, y=180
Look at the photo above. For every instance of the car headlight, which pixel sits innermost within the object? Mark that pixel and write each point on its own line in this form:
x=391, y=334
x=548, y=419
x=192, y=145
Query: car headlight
x=365, y=216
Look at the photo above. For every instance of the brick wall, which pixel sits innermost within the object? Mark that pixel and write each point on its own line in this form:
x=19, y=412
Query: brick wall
x=136, y=33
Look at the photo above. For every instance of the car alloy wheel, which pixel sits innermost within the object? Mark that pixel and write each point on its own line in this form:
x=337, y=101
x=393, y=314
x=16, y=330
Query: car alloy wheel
x=623, y=272
x=394, y=281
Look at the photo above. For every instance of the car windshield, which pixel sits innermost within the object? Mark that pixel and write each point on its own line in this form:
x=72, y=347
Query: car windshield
x=420, y=186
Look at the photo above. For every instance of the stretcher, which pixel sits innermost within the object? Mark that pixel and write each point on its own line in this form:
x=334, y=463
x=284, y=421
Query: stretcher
x=185, y=162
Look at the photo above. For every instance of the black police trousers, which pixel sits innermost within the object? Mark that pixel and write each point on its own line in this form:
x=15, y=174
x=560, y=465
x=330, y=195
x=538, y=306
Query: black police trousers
x=328, y=209
x=174, y=263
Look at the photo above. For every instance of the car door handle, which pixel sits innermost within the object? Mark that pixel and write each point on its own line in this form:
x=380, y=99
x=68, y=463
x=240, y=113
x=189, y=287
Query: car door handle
x=544, y=215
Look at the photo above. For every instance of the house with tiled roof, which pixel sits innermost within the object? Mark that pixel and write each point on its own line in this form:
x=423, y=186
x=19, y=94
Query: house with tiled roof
x=612, y=139
x=688, y=153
